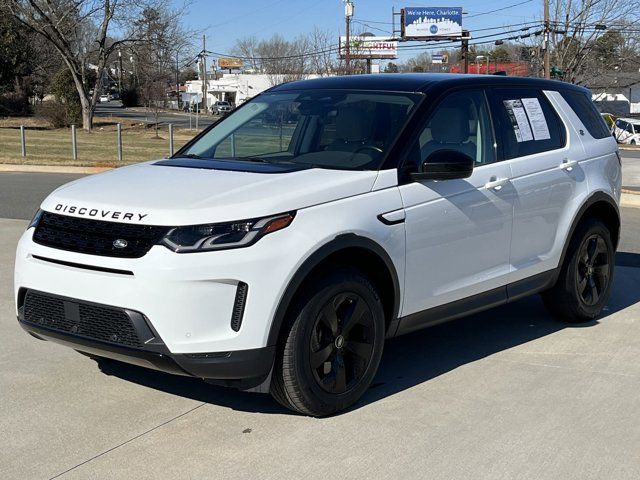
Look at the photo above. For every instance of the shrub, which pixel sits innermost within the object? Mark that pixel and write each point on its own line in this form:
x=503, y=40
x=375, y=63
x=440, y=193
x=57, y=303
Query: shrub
x=64, y=89
x=54, y=112
x=129, y=98
x=12, y=104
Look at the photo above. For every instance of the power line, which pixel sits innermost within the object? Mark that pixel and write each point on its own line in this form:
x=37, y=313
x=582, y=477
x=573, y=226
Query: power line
x=499, y=9
x=501, y=35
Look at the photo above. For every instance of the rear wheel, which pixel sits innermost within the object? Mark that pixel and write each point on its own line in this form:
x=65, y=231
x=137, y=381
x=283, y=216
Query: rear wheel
x=584, y=283
x=331, y=347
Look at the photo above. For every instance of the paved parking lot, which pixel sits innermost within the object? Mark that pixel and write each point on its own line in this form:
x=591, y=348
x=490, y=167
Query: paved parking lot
x=506, y=394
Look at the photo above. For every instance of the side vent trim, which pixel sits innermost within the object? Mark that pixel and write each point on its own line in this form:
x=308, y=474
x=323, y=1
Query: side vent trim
x=238, y=306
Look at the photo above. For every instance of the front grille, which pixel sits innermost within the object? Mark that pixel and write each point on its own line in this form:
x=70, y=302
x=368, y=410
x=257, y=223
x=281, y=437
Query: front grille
x=96, y=322
x=96, y=237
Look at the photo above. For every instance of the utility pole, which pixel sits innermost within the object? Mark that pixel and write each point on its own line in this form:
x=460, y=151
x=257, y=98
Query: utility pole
x=177, y=80
x=120, y=74
x=204, y=73
x=547, y=29
x=348, y=13
x=464, y=50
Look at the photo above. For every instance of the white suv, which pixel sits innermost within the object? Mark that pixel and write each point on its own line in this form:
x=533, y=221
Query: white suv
x=278, y=249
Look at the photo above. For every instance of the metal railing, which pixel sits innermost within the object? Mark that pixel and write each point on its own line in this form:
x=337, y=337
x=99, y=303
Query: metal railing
x=74, y=142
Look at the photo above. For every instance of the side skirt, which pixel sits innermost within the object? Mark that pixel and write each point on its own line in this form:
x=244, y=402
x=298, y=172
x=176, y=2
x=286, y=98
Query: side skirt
x=477, y=303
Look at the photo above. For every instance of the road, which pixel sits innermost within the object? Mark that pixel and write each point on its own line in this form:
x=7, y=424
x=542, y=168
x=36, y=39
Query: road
x=114, y=109
x=631, y=169
x=509, y=393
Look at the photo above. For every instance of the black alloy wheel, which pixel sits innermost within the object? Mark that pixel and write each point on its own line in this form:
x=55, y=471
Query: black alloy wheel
x=331, y=343
x=585, y=277
x=593, y=269
x=342, y=343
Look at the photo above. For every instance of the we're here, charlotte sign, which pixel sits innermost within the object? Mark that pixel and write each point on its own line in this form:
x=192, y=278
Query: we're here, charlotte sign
x=425, y=22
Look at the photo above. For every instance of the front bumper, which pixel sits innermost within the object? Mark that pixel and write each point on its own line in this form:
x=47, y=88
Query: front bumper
x=242, y=368
x=189, y=299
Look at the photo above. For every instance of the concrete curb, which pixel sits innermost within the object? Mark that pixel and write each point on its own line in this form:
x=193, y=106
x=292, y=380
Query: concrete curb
x=8, y=167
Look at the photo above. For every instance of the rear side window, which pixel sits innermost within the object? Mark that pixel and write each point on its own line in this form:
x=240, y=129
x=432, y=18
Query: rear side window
x=525, y=122
x=587, y=112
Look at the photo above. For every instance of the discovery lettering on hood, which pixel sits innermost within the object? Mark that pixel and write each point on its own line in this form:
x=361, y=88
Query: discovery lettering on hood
x=99, y=213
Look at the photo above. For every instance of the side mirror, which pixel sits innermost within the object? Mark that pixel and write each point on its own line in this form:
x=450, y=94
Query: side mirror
x=445, y=165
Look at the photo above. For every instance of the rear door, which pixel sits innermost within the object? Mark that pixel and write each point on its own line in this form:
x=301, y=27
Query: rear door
x=545, y=155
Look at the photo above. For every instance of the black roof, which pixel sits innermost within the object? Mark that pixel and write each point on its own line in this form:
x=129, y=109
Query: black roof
x=418, y=82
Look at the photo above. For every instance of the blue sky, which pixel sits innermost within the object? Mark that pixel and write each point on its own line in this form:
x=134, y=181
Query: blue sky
x=225, y=21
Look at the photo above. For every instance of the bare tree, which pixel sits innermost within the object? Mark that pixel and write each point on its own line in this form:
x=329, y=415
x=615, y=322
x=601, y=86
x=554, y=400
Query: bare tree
x=576, y=27
x=283, y=60
x=80, y=31
x=247, y=48
x=287, y=60
x=323, y=60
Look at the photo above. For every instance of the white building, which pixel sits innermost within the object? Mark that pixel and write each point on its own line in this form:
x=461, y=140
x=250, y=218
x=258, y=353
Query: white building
x=235, y=88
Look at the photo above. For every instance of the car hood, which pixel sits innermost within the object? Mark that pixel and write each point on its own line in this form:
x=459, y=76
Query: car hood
x=156, y=194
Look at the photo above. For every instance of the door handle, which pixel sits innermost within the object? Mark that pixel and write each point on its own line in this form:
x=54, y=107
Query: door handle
x=495, y=183
x=392, y=218
x=568, y=164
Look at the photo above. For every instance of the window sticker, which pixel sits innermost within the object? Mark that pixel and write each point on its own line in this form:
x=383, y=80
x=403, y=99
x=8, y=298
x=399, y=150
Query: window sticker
x=519, y=120
x=536, y=117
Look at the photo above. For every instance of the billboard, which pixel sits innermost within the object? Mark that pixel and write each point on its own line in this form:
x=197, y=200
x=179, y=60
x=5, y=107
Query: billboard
x=225, y=63
x=440, y=58
x=431, y=22
x=369, y=47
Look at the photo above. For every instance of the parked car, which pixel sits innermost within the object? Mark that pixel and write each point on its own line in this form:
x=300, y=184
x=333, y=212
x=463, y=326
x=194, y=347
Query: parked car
x=280, y=257
x=105, y=98
x=222, y=108
x=627, y=130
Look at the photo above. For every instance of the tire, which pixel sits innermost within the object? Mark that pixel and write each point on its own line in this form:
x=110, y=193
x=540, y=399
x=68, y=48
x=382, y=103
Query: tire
x=633, y=142
x=584, y=284
x=331, y=345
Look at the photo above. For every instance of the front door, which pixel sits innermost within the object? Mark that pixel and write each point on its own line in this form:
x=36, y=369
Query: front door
x=458, y=232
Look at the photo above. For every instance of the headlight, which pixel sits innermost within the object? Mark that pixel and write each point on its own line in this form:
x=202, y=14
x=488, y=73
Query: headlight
x=222, y=236
x=36, y=219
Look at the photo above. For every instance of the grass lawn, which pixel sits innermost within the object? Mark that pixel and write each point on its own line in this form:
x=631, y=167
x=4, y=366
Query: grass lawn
x=46, y=146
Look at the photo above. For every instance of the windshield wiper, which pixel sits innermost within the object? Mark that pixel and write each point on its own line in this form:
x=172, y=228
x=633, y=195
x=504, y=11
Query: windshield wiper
x=257, y=158
x=192, y=155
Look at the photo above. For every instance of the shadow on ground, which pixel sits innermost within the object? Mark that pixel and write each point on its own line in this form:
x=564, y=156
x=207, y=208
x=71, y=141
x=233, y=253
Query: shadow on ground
x=416, y=358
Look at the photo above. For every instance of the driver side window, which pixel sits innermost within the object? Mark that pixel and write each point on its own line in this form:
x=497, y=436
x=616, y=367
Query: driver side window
x=460, y=122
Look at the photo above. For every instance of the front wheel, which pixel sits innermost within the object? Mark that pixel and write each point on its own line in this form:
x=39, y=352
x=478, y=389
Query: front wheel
x=584, y=283
x=331, y=346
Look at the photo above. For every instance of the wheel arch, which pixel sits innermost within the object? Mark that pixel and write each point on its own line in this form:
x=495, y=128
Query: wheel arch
x=351, y=250
x=599, y=205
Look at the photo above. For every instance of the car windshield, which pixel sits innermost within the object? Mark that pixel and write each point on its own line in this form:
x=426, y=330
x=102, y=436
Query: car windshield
x=327, y=129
